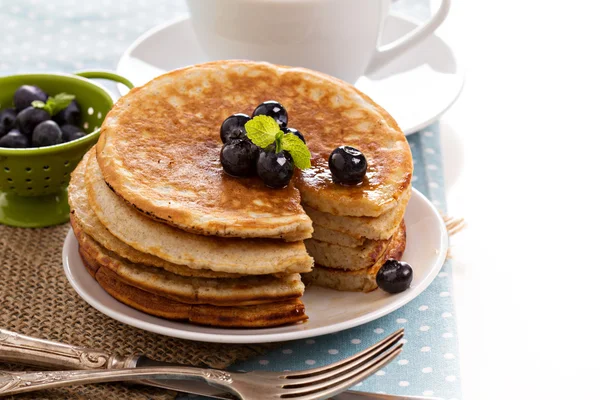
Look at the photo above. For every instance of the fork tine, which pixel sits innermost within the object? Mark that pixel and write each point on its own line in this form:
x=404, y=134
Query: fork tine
x=316, y=371
x=340, y=384
x=342, y=369
x=335, y=376
x=454, y=225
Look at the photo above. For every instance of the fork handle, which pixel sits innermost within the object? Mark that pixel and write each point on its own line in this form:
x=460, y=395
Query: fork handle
x=20, y=382
x=22, y=349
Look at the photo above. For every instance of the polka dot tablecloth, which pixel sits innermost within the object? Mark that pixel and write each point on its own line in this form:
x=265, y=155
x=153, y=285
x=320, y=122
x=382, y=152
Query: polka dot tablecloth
x=69, y=35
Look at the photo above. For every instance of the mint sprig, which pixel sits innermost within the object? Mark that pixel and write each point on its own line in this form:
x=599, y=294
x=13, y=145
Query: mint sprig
x=264, y=131
x=298, y=149
x=54, y=104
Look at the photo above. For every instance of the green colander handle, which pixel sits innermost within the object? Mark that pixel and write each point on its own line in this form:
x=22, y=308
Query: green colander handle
x=111, y=76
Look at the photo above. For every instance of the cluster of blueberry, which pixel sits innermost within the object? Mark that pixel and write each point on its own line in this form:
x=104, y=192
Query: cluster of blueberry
x=38, y=120
x=242, y=158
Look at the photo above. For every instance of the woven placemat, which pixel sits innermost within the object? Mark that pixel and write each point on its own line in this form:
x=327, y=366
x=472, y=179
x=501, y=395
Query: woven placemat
x=38, y=301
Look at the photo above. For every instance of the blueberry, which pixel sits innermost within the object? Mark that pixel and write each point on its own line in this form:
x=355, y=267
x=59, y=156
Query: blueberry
x=14, y=139
x=275, y=169
x=69, y=115
x=8, y=118
x=233, y=127
x=394, y=276
x=71, y=132
x=348, y=165
x=294, y=132
x=274, y=110
x=27, y=94
x=238, y=157
x=47, y=133
x=29, y=118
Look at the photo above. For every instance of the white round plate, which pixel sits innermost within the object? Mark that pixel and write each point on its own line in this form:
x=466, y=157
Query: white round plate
x=328, y=310
x=416, y=88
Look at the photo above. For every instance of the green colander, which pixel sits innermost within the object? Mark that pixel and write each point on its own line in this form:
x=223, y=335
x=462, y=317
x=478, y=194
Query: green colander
x=33, y=182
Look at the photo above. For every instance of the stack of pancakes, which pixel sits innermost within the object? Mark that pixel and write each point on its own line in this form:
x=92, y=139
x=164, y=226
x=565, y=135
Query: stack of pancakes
x=164, y=229
x=162, y=270
x=349, y=250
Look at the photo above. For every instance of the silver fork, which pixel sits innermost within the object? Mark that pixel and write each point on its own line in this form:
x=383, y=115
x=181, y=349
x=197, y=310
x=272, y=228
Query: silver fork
x=313, y=384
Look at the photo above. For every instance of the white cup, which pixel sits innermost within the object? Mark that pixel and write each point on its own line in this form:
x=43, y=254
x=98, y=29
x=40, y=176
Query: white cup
x=337, y=37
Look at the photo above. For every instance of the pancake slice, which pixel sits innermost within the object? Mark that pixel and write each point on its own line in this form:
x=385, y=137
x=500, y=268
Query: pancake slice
x=257, y=316
x=358, y=280
x=243, y=256
x=336, y=237
x=342, y=257
x=83, y=215
x=375, y=228
x=248, y=290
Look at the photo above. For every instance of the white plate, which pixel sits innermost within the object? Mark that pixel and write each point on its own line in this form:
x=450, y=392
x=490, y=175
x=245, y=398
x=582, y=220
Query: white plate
x=416, y=88
x=328, y=310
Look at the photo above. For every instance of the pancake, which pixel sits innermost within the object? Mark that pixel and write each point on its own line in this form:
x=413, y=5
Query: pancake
x=337, y=256
x=83, y=215
x=336, y=237
x=358, y=280
x=256, y=316
x=247, y=290
x=243, y=256
x=160, y=152
x=378, y=228
x=160, y=145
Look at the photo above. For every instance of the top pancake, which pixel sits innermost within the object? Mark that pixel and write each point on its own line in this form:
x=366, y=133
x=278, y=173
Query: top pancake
x=159, y=150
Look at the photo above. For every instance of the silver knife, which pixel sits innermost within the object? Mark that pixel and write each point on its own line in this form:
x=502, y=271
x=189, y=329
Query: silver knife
x=21, y=349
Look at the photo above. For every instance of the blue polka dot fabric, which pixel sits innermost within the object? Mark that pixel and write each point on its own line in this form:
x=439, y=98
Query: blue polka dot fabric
x=69, y=35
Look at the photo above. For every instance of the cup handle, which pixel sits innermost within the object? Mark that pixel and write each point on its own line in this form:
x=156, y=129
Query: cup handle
x=388, y=52
x=111, y=76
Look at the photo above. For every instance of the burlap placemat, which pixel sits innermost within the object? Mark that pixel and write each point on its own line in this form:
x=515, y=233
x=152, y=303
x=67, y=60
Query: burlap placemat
x=38, y=301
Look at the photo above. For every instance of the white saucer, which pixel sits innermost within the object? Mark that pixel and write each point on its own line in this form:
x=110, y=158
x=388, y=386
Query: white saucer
x=328, y=310
x=416, y=89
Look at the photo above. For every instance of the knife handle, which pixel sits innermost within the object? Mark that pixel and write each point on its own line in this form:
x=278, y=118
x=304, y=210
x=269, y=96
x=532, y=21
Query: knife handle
x=22, y=349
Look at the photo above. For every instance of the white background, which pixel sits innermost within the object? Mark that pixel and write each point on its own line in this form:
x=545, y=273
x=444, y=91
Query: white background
x=522, y=156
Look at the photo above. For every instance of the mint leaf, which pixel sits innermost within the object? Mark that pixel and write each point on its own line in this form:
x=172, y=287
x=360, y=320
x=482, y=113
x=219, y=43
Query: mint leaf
x=61, y=101
x=297, y=149
x=38, y=104
x=278, y=138
x=54, y=104
x=262, y=130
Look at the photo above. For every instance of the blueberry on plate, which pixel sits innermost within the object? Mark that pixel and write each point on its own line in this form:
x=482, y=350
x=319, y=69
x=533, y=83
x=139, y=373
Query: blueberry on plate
x=238, y=157
x=394, y=276
x=69, y=115
x=14, y=140
x=294, y=132
x=47, y=133
x=29, y=118
x=347, y=165
x=275, y=169
x=274, y=110
x=233, y=127
x=71, y=132
x=26, y=94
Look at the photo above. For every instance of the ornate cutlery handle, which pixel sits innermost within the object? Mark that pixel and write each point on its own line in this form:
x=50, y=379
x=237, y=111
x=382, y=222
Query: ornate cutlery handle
x=23, y=349
x=21, y=382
